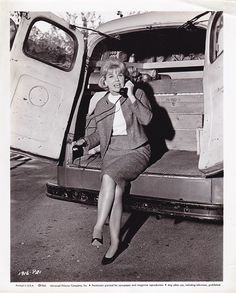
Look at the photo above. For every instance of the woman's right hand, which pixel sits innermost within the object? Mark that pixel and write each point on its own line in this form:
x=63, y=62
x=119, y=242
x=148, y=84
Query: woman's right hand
x=130, y=86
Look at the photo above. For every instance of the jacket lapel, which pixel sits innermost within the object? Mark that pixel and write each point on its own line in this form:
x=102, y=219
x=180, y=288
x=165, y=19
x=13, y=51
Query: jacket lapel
x=107, y=117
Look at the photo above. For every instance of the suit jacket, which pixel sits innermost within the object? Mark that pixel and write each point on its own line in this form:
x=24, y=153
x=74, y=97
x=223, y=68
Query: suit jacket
x=137, y=115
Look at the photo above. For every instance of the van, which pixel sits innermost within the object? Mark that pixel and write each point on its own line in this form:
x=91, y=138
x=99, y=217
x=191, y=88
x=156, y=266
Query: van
x=175, y=57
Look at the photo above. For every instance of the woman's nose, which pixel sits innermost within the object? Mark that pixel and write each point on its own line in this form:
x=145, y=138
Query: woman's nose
x=116, y=77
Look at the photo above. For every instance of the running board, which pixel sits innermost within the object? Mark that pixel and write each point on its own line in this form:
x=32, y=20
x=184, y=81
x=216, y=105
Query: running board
x=158, y=206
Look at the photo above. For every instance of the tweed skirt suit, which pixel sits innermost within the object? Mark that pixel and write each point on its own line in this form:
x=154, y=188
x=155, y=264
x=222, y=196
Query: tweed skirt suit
x=124, y=157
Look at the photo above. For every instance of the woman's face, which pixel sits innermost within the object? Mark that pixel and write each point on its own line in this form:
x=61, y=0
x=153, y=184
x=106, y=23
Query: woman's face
x=115, y=80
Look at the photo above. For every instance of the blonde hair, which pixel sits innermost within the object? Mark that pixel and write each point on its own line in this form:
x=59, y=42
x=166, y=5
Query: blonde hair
x=110, y=64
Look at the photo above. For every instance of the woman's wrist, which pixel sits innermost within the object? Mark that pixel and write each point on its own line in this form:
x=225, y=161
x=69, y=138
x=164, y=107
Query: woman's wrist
x=82, y=142
x=85, y=142
x=132, y=98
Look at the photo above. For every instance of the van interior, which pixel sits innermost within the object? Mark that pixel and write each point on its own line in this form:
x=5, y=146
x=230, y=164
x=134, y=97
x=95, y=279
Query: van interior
x=167, y=63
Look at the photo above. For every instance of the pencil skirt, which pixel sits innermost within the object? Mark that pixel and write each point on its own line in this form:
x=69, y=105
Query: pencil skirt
x=125, y=165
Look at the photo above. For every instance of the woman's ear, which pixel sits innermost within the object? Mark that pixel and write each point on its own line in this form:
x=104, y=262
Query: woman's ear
x=102, y=83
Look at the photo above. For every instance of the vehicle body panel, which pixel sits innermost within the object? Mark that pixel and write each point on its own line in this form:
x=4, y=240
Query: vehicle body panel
x=41, y=94
x=211, y=139
x=149, y=20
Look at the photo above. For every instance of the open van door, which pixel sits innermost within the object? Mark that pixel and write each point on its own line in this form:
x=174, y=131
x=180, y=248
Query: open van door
x=211, y=138
x=46, y=62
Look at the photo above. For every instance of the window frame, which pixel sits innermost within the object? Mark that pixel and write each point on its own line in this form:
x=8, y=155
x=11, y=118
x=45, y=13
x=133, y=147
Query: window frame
x=60, y=27
x=213, y=57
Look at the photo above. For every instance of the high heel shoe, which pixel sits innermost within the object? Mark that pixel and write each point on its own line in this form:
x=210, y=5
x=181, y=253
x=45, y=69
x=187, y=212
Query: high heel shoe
x=120, y=249
x=99, y=240
x=108, y=260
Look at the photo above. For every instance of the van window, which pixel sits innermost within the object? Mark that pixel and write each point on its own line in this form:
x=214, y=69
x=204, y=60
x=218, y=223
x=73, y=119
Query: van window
x=217, y=38
x=50, y=44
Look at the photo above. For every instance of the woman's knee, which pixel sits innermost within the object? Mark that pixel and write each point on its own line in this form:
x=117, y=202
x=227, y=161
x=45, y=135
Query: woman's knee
x=107, y=183
x=107, y=179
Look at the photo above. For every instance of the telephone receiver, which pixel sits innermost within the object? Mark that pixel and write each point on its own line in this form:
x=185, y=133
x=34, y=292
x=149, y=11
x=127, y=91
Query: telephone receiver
x=123, y=91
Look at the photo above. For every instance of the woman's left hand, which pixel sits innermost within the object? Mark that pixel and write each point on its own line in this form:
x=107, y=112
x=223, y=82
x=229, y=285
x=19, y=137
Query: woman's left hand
x=130, y=93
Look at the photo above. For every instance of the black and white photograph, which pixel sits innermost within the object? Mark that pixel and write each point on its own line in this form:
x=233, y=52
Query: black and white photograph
x=116, y=149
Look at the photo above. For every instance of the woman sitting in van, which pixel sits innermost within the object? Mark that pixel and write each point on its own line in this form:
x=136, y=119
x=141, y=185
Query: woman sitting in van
x=125, y=150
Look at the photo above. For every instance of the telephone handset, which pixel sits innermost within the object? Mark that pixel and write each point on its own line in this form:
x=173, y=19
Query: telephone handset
x=123, y=91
